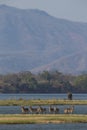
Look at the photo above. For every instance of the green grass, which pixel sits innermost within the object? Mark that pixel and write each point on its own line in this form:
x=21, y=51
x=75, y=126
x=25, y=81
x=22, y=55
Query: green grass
x=19, y=102
x=42, y=118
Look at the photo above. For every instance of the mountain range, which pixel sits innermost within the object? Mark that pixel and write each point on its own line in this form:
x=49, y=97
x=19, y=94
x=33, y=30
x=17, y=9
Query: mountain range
x=32, y=40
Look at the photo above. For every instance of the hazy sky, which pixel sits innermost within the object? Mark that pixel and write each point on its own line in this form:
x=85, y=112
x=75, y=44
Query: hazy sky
x=75, y=10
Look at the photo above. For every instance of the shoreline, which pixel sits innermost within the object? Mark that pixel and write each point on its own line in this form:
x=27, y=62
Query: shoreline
x=20, y=102
x=42, y=118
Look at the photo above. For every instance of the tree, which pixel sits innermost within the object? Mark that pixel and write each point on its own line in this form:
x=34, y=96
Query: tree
x=80, y=83
x=45, y=75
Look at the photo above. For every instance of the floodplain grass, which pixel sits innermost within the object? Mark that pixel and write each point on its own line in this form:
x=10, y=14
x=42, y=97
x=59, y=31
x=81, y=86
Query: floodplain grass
x=13, y=102
x=42, y=118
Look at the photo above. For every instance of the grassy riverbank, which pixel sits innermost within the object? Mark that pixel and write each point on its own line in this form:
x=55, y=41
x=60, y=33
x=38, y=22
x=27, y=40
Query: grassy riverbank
x=42, y=118
x=20, y=102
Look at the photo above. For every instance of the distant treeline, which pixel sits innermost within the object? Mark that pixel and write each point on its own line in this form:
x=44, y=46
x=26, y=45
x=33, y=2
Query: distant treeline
x=44, y=82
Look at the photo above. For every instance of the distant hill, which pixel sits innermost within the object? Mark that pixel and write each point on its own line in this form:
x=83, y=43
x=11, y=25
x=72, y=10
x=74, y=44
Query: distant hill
x=33, y=40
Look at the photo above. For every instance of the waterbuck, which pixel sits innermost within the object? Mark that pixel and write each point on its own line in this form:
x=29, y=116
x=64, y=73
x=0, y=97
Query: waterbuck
x=24, y=110
x=69, y=110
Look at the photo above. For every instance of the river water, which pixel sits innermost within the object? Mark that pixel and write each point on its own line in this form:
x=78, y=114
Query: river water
x=79, y=109
x=42, y=96
x=71, y=126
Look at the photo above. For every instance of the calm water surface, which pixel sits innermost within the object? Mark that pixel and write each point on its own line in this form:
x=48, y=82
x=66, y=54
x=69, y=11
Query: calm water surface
x=77, y=126
x=78, y=109
x=42, y=96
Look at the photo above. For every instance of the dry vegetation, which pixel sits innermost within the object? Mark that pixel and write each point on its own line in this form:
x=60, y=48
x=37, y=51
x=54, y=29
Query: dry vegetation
x=20, y=102
x=49, y=118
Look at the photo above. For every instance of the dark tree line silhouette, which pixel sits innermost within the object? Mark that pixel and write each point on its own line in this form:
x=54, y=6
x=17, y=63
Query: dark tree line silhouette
x=44, y=82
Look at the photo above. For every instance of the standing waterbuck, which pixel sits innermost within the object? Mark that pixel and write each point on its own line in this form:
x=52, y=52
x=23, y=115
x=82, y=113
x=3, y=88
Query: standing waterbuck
x=69, y=110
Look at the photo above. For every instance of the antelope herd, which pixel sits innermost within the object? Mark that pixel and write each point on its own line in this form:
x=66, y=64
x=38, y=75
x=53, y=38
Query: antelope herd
x=43, y=110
